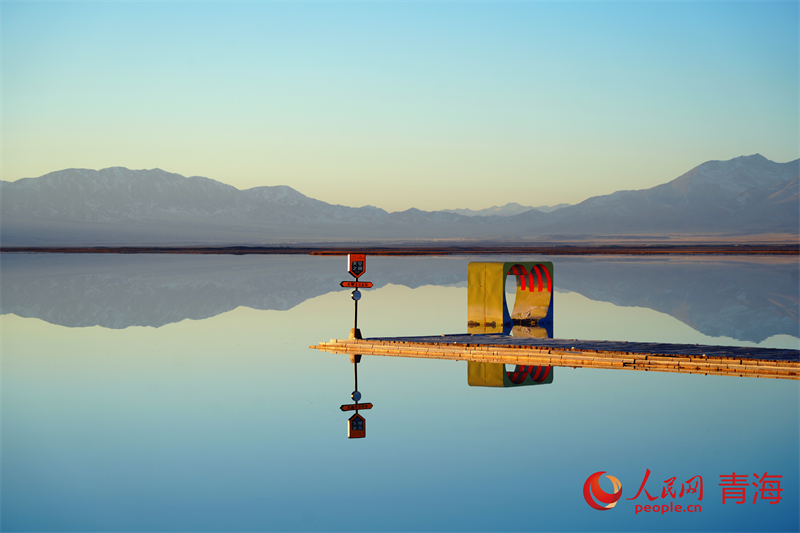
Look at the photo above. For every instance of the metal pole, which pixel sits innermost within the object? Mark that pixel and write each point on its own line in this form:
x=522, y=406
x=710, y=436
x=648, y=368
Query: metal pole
x=355, y=373
x=355, y=320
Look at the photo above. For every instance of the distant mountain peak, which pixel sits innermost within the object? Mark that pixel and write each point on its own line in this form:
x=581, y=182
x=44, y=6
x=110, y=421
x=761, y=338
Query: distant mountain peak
x=754, y=157
x=510, y=209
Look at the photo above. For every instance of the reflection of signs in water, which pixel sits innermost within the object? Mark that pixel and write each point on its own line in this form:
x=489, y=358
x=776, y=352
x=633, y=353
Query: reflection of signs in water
x=495, y=375
x=487, y=306
x=356, y=427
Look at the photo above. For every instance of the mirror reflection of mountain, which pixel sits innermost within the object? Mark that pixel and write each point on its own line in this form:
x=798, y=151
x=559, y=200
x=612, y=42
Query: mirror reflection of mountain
x=118, y=291
x=748, y=299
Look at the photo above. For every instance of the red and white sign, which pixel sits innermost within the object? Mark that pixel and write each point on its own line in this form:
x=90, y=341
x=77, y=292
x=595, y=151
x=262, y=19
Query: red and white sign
x=356, y=264
x=357, y=284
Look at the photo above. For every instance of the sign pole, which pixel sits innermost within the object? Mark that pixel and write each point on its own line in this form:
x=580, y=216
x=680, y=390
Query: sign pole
x=356, y=266
x=355, y=333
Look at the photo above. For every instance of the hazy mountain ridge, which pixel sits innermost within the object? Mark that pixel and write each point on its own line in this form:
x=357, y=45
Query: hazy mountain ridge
x=118, y=194
x=745, y=192
x=119, y=206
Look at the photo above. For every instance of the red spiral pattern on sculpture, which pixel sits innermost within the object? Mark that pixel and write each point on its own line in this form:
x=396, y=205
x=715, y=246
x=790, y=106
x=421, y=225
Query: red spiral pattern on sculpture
x=527, y=281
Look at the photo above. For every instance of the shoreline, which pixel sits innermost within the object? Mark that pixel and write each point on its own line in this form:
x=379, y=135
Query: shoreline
x=427, y=250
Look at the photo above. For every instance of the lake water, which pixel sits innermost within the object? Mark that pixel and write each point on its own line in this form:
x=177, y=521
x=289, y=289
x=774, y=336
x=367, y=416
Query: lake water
x=179, y=393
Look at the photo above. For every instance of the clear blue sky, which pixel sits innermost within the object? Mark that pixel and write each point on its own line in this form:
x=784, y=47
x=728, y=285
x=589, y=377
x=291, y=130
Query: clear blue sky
x=432, y=105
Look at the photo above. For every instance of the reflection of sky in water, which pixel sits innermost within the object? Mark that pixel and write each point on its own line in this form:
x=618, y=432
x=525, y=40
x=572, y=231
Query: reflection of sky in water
x=232, y=423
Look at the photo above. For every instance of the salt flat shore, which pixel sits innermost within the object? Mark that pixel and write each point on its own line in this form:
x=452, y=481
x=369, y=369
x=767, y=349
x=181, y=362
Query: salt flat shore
x=428, y=249
x=644, y=356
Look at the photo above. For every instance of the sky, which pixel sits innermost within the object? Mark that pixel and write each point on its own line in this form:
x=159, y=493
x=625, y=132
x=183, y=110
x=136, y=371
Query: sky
x=435, y=105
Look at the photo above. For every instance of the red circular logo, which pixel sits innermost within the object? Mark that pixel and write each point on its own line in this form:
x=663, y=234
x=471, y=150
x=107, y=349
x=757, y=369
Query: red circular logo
x=594, y=494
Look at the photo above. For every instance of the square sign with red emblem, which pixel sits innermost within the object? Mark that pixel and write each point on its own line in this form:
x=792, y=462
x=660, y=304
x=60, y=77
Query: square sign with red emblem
x=356, y=264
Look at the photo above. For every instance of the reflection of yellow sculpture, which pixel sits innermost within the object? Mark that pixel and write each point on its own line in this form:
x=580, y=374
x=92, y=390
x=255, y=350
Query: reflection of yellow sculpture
x=495, y=375
x=487, y=310
x=531, y=332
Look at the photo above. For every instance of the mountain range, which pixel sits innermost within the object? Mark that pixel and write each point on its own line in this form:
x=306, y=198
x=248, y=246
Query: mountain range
x=118, y=206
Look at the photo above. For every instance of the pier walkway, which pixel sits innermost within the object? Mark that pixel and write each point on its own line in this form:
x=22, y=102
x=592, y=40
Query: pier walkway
x=658, y=357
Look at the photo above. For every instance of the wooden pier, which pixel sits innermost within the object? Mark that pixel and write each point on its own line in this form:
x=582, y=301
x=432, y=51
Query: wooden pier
x=653, y=357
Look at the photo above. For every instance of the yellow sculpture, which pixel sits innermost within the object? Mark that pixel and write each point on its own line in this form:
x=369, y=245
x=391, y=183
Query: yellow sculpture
x=532, y=316
x=487, y=310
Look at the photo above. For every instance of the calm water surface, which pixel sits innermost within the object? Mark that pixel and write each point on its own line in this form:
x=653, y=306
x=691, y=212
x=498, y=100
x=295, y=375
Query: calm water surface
x=178, y=393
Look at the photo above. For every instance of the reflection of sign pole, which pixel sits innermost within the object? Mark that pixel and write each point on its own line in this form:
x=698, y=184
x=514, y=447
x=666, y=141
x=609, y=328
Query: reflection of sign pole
x=356, y=396
x=356, y=424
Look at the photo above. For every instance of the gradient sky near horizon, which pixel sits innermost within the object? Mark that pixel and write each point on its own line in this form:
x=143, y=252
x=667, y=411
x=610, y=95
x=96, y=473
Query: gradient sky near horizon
x=429, y=105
